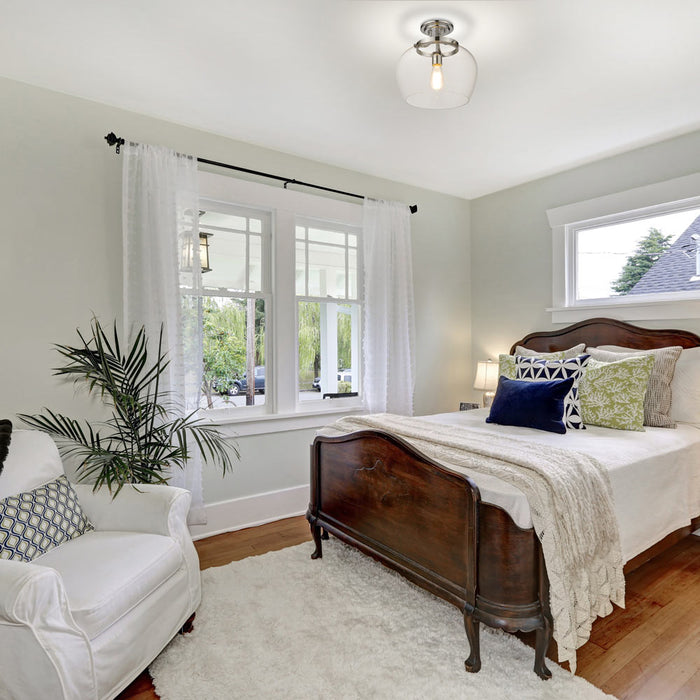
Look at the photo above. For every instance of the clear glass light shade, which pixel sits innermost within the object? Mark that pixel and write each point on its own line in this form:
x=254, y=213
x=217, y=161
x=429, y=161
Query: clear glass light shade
x=414, y=72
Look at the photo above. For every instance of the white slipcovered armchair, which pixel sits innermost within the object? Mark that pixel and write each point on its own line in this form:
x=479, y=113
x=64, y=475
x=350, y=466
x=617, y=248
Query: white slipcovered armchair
x=82, y=620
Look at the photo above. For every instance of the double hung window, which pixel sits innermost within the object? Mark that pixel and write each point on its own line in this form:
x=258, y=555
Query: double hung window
x=281, y=302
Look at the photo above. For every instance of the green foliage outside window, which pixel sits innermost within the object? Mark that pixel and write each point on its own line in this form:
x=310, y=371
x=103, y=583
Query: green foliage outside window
x=309, y=343
x=224, y=343
x=647, y=252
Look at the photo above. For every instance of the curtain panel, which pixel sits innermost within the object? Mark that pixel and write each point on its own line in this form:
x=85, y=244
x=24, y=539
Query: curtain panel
x=389, y=326
x=160, y=219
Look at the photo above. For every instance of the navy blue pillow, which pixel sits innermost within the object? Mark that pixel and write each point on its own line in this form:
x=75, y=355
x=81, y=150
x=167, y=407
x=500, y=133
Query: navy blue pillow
x=5, y=438
x=538, y=405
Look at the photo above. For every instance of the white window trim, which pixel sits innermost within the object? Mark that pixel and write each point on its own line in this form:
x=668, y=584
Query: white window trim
x=282, y=412
x=256, y=411
x=683, y=192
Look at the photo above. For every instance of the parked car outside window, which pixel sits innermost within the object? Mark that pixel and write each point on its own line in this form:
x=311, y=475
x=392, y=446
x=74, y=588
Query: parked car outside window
x=240, y=386
x=344, y=375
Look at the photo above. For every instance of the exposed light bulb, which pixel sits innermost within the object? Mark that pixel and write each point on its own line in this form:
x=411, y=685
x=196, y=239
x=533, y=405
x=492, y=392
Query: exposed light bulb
x=436, y=79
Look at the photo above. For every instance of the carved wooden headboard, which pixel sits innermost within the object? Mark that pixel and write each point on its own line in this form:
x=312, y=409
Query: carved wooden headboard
x=607, y=331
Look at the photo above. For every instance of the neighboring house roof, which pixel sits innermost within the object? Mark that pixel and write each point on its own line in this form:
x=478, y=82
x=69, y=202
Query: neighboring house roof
x=675, y=270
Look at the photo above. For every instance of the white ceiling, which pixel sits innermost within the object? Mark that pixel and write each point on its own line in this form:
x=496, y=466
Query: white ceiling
x=561, y=82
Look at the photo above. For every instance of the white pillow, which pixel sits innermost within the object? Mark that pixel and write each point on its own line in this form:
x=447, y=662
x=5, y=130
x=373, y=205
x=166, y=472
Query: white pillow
x=685, y=386
x=33, y=460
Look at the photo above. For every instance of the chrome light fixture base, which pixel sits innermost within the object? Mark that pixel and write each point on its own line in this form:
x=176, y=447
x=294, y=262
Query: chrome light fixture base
x=436, y=29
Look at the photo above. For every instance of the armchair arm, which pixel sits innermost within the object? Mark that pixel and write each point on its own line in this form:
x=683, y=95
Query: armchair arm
x=20, y=584
x=152, y=508
x=44, y=653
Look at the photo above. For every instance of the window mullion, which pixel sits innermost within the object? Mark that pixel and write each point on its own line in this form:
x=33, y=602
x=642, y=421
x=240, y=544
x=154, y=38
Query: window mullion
x=284, y=345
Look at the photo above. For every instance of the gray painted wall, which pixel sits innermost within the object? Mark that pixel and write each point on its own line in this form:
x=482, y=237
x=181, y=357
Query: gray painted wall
x=511, y=265
x=60, y=194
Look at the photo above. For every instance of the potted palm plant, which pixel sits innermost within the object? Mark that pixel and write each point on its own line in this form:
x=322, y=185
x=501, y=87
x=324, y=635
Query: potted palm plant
x=147, y=434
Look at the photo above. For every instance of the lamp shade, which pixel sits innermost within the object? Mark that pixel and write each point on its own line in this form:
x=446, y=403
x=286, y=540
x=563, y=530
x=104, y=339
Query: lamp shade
x=486, y=376
x=414, y=72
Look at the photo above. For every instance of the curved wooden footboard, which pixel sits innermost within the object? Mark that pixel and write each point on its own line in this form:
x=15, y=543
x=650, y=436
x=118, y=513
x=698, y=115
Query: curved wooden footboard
x=378, y=493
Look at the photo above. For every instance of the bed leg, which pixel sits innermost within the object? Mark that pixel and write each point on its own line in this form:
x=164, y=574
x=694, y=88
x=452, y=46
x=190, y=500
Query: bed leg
x=543, y=636
x=473, y=663
x=316, y=534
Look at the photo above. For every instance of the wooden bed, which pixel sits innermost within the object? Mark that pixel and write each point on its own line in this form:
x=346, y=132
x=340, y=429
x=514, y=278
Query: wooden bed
x=376, y=492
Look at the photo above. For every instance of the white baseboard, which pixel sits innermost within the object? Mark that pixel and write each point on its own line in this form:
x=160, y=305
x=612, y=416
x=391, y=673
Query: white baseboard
x=238, y=513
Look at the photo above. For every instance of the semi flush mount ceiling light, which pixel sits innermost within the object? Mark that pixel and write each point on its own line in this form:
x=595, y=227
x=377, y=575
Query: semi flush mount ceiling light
x=447, y=80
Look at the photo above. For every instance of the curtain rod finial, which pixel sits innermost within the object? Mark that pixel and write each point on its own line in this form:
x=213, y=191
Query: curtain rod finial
x=113, y=139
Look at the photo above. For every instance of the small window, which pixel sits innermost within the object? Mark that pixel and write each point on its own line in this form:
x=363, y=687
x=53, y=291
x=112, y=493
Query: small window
x=648, y=255
x=632, y=254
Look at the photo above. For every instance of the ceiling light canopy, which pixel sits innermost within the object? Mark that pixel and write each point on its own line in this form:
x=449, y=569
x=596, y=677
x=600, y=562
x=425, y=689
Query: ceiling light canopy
x=436, y=73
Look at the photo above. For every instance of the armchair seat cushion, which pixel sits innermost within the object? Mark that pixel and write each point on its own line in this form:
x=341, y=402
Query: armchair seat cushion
x=107, y=574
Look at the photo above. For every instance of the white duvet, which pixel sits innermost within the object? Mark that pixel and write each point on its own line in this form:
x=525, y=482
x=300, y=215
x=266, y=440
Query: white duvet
x=655, y=475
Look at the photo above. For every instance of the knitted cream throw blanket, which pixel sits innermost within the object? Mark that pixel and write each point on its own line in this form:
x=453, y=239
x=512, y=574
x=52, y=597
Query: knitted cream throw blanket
x=570, y=502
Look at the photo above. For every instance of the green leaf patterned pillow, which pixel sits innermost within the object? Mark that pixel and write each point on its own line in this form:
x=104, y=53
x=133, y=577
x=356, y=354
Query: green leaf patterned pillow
x=657, y=401
x=612, y=393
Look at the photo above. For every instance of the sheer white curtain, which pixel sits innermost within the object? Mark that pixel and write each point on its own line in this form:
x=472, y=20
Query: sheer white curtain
x=389, y=334
x=160, y=219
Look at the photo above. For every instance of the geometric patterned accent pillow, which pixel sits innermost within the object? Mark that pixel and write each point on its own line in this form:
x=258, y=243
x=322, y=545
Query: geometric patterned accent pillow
x=535, y=370
x=506, y=363
x=33, y=522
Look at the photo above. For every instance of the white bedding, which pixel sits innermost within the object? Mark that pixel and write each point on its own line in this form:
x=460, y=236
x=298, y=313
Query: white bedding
x=655, y=475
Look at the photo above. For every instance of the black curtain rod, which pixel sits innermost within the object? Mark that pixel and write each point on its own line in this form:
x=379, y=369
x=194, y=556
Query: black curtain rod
x=113, y=140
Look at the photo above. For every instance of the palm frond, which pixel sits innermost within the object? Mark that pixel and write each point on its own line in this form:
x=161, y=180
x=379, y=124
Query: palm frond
x=146, y=436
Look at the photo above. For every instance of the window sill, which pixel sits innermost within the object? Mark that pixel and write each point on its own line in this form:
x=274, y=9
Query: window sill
x=629, y=311
x=264, y=424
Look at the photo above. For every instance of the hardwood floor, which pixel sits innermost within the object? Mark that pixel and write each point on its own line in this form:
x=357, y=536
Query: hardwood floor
x=649, y=651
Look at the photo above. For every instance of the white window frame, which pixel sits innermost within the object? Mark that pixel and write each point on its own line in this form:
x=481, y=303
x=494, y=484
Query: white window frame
x=209, y=204
x=282, y=409
x=641, y=202
x=346, y=299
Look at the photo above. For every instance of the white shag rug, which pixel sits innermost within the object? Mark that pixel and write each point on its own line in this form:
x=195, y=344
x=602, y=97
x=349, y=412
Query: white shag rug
x=343, y=627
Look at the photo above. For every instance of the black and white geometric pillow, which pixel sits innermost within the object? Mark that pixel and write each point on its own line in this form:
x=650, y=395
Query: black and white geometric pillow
x=532, y=369
x=33, y=522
